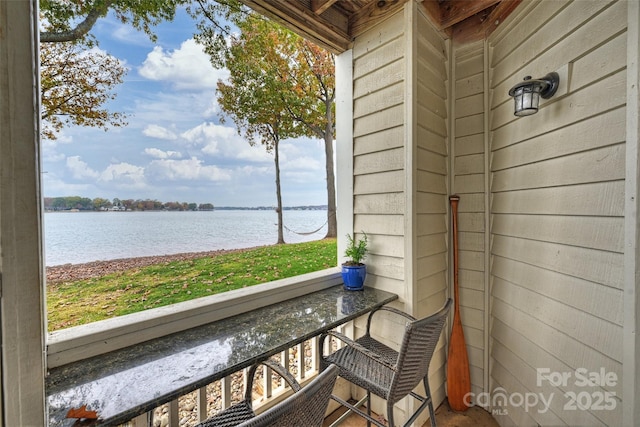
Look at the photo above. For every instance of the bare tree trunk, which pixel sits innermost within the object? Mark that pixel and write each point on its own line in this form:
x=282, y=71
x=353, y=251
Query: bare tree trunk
x=332, y=227
x=276, y=147
x=332, y=223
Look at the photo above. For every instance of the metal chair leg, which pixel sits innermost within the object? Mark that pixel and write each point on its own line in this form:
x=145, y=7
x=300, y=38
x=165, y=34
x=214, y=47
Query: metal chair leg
x=390, y=414
x=432, y=414
x=368, y=408
x=354, y=408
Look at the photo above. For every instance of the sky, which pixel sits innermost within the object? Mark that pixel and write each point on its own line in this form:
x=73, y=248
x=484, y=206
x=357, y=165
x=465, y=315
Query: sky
x=175, y=147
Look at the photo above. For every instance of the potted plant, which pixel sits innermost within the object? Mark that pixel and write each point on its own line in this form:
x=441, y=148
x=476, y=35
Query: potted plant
x=354, y=270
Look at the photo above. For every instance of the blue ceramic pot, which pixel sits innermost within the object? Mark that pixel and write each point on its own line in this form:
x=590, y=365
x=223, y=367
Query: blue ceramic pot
x=353, y=277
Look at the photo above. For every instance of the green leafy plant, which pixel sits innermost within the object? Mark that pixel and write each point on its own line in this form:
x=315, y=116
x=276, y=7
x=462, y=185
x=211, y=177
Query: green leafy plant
x=356, y=250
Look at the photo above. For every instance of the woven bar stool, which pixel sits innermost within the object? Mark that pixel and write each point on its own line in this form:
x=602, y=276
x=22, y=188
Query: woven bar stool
x=306, y=407
x=387, y=373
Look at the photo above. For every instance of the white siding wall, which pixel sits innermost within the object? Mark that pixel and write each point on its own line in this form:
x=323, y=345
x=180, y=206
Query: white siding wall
x=557, y=187
x=430, y=189
x=469, y=183
x=379, y=130
x=400, y=169
x=379, y=70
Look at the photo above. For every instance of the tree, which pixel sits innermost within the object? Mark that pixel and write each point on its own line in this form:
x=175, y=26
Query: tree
x=72, y=20
x=249, y=99
x=75, y=83
x=306, y=73
x=128, y=204
x=311, y=103
x=213, y=22
x=59, y=203
x=99, y=203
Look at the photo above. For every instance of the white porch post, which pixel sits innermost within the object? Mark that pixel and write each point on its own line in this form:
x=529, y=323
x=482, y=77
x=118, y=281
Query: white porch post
x=631, y=342
x=22, y=293
x=344, y=148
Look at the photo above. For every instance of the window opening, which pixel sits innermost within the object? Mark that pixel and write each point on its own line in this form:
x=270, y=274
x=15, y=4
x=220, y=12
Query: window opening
x=137, y=202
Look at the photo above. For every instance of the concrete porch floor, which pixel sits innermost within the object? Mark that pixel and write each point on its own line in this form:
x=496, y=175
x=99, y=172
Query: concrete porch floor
x=445, y=417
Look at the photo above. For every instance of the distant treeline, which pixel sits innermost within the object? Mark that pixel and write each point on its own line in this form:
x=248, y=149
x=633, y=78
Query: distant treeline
x=100, y=204
x=272, y=208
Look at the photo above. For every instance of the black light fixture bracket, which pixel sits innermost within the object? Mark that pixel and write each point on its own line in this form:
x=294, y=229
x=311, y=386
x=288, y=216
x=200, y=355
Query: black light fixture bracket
x=548, y=83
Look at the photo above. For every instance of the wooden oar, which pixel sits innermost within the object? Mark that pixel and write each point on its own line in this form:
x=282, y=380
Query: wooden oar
x=458, y=380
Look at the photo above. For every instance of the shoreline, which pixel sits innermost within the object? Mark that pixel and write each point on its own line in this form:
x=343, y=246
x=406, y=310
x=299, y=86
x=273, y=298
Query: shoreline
x=72, y=272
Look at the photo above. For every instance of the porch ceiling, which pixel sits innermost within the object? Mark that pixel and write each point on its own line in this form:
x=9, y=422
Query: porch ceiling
x=334, y=24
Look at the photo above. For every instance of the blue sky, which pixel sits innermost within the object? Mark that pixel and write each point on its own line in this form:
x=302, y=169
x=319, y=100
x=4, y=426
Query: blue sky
x=174, y=147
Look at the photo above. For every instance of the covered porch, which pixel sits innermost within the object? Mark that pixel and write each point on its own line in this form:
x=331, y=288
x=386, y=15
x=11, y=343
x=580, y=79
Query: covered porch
x=548, y=203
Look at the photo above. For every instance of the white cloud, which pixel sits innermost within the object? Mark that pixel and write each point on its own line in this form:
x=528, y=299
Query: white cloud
x=212, y=110
x=63, y=138
x=173, y=110
x=304, y=163
x=208, y=136
x=123, y=32
x=255, y=153
x=57, y=187
x=96, y=51
x=188, y=67
x=219, y=140
x=124, y=174
x=249, y=171
x=156, y=131
x=50, y=152
x=79, y=169
x=159, y=154
x=52, y=156
x=187, y=169
x=50, y=147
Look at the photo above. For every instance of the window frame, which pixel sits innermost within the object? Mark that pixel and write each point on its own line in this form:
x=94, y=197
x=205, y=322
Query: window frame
x=80, y=342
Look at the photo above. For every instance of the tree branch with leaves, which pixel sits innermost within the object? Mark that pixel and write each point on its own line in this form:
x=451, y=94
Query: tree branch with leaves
x=77, y=79
x=75, y=84
x=73, y=20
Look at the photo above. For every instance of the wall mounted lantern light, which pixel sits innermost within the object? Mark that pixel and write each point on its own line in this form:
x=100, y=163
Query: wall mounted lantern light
x=527, y=93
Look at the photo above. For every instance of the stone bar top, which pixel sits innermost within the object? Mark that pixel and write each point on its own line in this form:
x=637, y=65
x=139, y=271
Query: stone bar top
x=123, y=384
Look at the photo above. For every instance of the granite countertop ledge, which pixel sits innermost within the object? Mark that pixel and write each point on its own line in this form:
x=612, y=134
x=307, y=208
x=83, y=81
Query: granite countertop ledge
x=125, y=383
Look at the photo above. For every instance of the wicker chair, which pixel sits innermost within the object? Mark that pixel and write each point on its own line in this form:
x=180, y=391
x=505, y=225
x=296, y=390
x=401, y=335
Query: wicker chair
x=306, y=407
x=385, y=372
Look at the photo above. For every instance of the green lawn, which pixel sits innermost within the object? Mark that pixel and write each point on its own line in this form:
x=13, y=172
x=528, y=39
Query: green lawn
x=84, y=301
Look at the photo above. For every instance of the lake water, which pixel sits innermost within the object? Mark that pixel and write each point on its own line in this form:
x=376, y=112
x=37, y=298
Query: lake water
x=78, y=237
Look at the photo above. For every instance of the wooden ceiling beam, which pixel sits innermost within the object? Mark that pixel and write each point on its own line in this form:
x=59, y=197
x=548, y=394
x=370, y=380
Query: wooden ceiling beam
x=481, y=25
x=432, y=7
x=329, y=30
x=372, y=13
x=499, y=14
x=454, y=11
x=319, y=6
x=334, y=24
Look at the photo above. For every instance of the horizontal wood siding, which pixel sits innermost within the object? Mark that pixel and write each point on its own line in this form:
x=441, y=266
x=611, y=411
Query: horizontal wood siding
x=379, y=151
x=469, y=184
x=400, y=201
x=379, y=169
x=430, y=186
x=557, y=226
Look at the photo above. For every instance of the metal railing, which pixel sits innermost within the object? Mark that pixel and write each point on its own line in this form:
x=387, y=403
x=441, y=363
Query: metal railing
x=302, y=361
